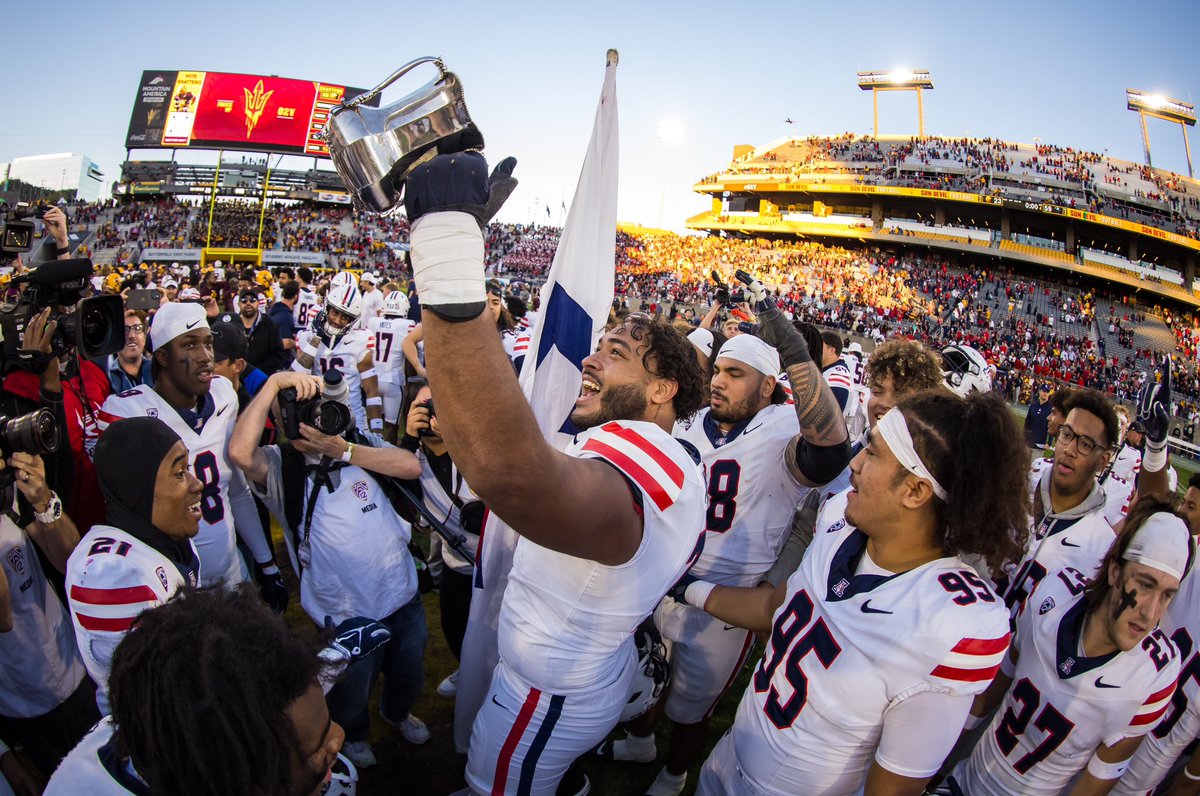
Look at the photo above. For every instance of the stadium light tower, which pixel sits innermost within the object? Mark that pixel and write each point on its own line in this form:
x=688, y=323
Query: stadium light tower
x=1165, y=108
x=897, y=80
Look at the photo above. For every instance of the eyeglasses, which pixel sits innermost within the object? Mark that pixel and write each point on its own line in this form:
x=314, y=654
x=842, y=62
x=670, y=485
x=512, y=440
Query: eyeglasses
x=245, y=299
x=134, y=328
x=1083, y=443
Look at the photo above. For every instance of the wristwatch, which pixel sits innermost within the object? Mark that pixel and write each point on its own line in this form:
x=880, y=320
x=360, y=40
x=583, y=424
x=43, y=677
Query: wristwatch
x=53, y=512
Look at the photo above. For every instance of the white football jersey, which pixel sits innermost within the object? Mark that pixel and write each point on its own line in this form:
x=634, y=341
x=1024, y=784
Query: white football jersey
x=565, y=620
x=1062, y=706
x=751, y=494
x=113, y=576
x=345, y=356
x=307, y=305
x=93, y=767
x=384, y=338
x=208, y=459
x=1078, y=539
x=1180, y=725
x=857, y=364
x=847, y=647
x=1128, y=463
x=1118, y=494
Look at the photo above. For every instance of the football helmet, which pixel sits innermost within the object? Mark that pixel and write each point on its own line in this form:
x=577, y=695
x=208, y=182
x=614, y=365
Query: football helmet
x=652, y=674
x=344, y=298
x=964, y=370
x=343, y=780
x=341, y=279
x=395, y=305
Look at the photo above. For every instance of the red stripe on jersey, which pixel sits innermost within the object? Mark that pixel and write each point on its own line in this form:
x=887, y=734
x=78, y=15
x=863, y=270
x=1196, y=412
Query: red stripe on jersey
x=661, y=459
x=982, y=646
x=115, y=625
x=500, y=781
x=126, y=596
x=108, y=417
x=966, y=675
x=1149, y=718
x=838, y=379
x=1161, y=695
x=634, y=470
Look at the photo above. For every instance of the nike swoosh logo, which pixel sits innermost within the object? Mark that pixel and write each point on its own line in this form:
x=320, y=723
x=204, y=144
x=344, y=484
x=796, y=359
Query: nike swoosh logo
x=1065, y=543
x=731, y=627
x=1101, y=684
x=221, y=410
x=497, y=703
x=867, y=609
x=748, y=430
x=190, y=325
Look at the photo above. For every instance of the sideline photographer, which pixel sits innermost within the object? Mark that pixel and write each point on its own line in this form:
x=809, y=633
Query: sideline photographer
x=346, y=541
x=46, y=699
x=59, y=332
x=449, y=498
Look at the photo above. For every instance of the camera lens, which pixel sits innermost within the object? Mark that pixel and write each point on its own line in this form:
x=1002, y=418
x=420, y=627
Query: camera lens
x=93, y=327
x=333, y=418
x=35, y=433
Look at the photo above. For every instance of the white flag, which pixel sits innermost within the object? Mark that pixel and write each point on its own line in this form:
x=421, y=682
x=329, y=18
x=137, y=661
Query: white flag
x=575, y=302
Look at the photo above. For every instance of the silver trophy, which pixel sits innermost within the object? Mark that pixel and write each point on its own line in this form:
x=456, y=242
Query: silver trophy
x=373, y=149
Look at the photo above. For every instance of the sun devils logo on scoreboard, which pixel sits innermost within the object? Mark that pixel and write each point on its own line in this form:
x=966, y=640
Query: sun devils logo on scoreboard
x=256, y=102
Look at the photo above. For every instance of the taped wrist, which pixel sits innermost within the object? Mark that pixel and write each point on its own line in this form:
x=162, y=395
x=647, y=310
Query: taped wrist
x=696, y=593
x=447, y=260
x=1156, y=456
x=1107, y=771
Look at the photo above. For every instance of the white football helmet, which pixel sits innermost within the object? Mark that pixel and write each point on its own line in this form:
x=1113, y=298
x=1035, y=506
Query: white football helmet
x=344, y=298
x=395, y=305
x=344, y=778
x=964, y=370
x=652, y=675
x=341, y=279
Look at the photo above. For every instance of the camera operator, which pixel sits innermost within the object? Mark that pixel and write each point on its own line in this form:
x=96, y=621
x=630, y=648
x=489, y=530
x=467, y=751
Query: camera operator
x=447, y=496
x=46, y=698
x=73, y=388
x=347, y=543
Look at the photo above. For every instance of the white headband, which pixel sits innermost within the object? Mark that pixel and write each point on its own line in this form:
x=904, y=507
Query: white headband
x=894, y=430
x=702, y=339
x=749, y=350
x=1162, y=543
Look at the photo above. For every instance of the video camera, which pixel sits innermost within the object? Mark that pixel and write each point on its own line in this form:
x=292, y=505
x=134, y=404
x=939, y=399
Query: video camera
x=326, y=412
x=16, y=234
x=95, y=326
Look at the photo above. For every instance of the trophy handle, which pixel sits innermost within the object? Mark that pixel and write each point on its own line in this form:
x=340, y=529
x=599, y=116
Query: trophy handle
x=399, y=73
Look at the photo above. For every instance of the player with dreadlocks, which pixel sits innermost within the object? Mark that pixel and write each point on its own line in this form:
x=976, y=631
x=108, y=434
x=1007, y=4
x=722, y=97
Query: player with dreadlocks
x=212, y=693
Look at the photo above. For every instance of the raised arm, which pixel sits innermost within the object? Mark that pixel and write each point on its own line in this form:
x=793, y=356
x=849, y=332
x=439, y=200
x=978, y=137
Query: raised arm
x=243, y=445
x=580, y=507
x=821, y=450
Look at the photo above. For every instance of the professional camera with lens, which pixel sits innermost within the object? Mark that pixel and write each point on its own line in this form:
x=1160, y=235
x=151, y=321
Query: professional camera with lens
x=16, y=233
x=327, y=412
x=35, y=433
x=96, y=326
x=428, y=430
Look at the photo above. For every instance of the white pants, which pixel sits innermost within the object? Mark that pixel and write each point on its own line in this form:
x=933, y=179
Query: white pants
x=721, y=775
x=706, y=655
x=524, y=739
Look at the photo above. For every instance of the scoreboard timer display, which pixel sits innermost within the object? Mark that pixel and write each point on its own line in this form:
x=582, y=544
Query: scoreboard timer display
x=218, y=110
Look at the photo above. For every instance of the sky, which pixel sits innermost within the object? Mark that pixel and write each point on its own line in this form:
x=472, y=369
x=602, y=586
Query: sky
x=722, y=73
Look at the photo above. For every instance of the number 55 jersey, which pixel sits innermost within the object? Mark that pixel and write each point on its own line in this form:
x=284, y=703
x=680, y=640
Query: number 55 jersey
x=1063, y=705
x=852, y=642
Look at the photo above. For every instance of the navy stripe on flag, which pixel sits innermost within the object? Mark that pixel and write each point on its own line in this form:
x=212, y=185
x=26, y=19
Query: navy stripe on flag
x=529, y=765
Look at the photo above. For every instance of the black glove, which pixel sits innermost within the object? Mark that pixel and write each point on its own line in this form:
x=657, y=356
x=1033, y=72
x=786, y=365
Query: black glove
x=676, y=592
x=773, y=327
x=357, y=637
x=459, y=181
x=1153, y=400
x=270, y=586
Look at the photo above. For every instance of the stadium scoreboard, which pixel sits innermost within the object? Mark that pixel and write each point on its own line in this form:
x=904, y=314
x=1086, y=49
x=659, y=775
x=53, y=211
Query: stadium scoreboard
x=219, y=110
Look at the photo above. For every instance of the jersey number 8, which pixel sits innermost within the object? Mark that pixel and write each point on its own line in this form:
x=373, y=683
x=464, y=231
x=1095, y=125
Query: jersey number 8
x=212, y=508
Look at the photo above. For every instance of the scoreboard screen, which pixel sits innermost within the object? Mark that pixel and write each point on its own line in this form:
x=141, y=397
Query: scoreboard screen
x=218, y=110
